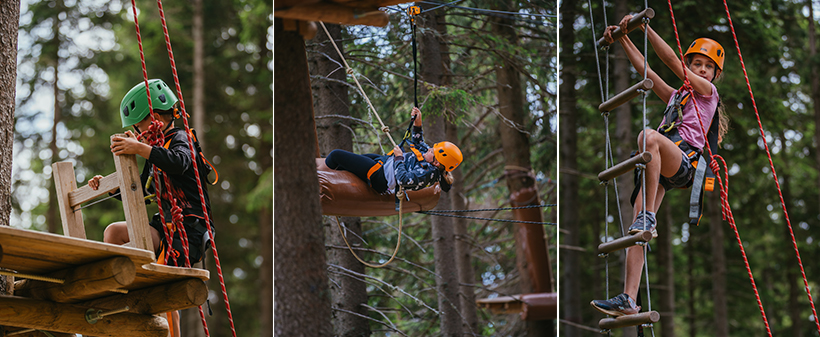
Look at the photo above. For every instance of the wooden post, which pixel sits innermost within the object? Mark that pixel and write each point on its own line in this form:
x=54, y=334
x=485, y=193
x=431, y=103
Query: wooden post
x=158, y=299
x=624, y=166
x=636, y=21
x=626, y=95
x=61, y=317
x=623, y=242
x=334, y=13
x=133, y=201
x=629, y=320
x=64, y=183
x=83, y=282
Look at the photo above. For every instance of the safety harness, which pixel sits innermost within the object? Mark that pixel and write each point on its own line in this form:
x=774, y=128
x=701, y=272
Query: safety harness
x=704, y=179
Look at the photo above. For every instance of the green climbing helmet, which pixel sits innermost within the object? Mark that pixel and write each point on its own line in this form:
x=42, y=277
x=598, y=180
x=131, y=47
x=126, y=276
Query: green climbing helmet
x=134, y=106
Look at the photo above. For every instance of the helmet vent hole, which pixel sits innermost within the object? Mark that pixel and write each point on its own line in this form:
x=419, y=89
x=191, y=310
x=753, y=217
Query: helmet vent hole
x=125, y=111
x=133, y=105
x=159, y=86
x=162, y=98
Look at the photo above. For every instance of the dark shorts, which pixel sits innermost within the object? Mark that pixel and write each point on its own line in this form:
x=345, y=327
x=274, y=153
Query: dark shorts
x=682, y=178
x=198, y=243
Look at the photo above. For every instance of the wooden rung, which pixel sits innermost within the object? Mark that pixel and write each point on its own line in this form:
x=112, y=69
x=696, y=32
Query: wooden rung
x=624, y=242
x=636, y=21
x=629, y=320
x=626, y=95
x=109, y=183
x=625, y=166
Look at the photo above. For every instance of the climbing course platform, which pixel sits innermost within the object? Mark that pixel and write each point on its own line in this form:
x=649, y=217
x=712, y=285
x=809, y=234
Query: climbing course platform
x=344, y=194
x=70, y=284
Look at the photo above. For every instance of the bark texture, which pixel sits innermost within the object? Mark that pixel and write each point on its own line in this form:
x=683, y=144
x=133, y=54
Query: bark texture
x=301, y=294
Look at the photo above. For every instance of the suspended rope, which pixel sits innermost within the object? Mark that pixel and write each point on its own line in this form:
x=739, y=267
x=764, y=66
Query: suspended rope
x=488, y=219
x=395, y=251
x=349, y=70
x=492, y=209
x=155, y=136
x=724, y=188
x=413, y=11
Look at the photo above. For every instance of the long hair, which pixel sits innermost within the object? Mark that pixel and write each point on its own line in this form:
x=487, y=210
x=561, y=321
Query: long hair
x=723, y=117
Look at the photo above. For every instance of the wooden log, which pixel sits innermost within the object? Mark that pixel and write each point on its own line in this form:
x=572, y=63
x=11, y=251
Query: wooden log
x=624, y=242
x=82, y=283
x=84, y=194
x=14, y=332
x=625, y=166
x=133, y=201
x=69, y=318
x=158, y=299
x=626, y=95
x=636, y=21
x=539, y=306
x=629, y=320
x=335, y=13
x=65, y=183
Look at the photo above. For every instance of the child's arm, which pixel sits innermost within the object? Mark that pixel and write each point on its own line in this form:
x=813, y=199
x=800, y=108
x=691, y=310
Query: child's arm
x=660, y=88
x=130, y=145
x=670, y=58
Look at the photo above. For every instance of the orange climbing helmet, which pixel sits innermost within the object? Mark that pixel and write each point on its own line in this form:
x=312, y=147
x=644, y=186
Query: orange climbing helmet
x=448, y=154
x=709, y=48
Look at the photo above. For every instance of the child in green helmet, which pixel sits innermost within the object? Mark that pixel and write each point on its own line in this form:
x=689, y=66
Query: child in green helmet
x=173, y=159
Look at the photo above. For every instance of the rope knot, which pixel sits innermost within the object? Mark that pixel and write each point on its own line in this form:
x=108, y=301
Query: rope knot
x=385, y=129
x=713, y=164
x=349, y=71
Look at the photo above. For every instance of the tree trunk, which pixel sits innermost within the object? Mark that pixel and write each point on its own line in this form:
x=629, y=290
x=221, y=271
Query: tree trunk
x=535, y=276
x=793, y=277
x=624, y=136
x=444, y=246
x=301, y=294
x=570, y=304
x=815, y=84
x=466, y=272
x=198, y=104
x=690, y=261
x=718, y=261
x=331, y=98
x=9, y=21
x=667, y=274
x=52, y=215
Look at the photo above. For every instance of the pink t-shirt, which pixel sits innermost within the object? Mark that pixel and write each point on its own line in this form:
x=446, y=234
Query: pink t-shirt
x=690, y=129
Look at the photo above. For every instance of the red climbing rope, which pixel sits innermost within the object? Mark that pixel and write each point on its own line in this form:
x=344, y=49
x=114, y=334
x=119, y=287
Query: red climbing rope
x=155, y=136
x=196, y=171
x=724, y=189
x=774, y=173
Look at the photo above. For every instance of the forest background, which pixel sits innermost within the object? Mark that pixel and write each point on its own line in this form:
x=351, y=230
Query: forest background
x=487, y=75
x=698, y=280
x=78, y=58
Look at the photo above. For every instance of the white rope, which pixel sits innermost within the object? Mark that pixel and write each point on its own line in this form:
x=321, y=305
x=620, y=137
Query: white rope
x=349, y=70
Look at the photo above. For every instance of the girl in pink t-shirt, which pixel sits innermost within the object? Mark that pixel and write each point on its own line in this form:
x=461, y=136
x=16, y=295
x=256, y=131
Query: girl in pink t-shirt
x=670, y=166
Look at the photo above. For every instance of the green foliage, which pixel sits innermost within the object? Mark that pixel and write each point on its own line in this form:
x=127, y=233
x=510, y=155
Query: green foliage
x=449, y=102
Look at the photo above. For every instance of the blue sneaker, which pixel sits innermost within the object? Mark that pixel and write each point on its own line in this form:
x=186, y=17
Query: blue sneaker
x=645, y=221
x=617, y=306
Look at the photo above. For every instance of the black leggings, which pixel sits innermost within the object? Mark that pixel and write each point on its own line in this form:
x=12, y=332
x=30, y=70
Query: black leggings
x=359, y=165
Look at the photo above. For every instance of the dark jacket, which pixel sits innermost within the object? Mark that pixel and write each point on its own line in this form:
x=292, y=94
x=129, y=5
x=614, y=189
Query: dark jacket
x=174, y=158
x=412, y=172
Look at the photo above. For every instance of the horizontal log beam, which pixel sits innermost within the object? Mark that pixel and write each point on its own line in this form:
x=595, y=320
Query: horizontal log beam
x=625, y=166
x=629, y=320
x=82, y=283
x=636, y=21
x=69, y=318
x=335, y=13
x=624, y=242
x=539, y=306
x=626, y=95
x=85, y=194
x=158, y=299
